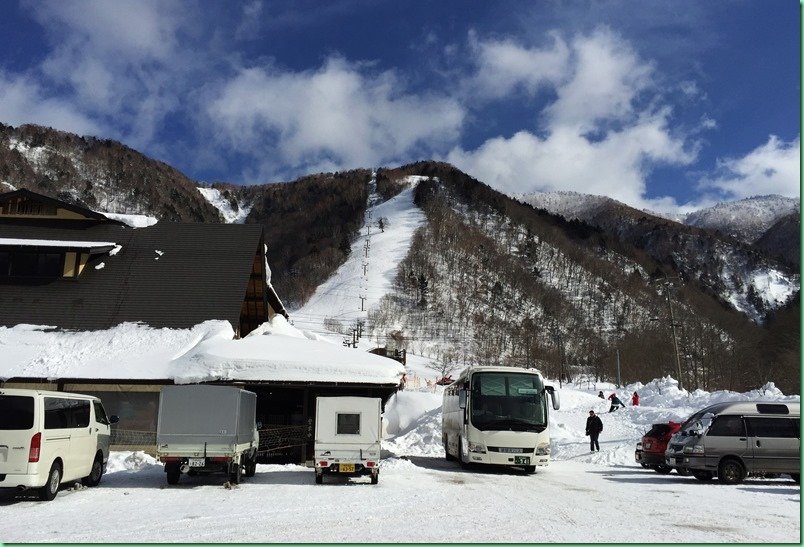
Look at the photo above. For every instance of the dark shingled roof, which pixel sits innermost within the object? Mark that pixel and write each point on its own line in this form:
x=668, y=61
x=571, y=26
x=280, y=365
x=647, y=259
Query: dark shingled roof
x=202, y=274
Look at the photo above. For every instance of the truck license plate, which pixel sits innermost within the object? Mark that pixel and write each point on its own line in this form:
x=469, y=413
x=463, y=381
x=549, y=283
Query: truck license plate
x=522, y=460
x=346, y=468
x=196, y=462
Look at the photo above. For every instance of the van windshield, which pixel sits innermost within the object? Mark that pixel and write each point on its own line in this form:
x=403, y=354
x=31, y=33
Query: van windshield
x=16, y=412
x=508, y=401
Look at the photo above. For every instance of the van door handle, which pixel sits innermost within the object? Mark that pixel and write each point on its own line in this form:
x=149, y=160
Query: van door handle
x=759, y=443
x=743, y=438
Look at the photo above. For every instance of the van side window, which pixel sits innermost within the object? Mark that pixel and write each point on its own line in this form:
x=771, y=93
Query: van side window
x=100, y=413
x=780, y=428
x=727, y=426
x=66, y=413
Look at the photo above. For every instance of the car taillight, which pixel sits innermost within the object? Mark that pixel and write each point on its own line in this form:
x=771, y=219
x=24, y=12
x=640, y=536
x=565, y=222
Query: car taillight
x=166, y=459
x=36, y=443
x=220, y=459
x=323, y=463
x=369, y=464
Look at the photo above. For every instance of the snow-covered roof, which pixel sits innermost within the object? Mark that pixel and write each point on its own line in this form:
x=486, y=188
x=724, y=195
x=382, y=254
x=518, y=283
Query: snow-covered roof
x=205, y=352
x=55, y=243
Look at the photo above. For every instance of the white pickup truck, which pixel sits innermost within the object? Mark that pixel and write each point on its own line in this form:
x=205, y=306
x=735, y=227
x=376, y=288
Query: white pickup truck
x=347, y=437
x=206, y=429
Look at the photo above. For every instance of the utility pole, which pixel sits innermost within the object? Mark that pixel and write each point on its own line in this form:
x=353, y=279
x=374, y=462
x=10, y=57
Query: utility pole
x=668, y=285
x=675, y=338
x=618, y=367
x=362, y=301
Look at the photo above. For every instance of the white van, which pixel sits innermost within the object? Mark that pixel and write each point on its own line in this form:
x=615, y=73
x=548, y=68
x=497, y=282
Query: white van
x=51, y=437
x=347, y=437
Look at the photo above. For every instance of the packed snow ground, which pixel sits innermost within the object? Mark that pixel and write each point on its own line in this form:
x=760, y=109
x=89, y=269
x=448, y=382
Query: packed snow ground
x=580, y=497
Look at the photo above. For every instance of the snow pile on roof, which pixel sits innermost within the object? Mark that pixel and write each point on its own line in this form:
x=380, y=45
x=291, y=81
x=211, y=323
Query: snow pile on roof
x=205, y=352
x=135, y=221
x=232, y=215
x=55, y=243
x=279, y=354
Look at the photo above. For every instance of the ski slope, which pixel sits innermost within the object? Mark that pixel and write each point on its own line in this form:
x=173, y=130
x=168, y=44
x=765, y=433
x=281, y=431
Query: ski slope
x=367, y=274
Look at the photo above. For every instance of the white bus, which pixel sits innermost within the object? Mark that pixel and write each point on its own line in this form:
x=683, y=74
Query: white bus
x=498, y=416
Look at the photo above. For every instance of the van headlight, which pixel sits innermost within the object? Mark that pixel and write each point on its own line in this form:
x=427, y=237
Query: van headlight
x=687, y=450
x=698, y=449
x=543, y=450
x=477, y=448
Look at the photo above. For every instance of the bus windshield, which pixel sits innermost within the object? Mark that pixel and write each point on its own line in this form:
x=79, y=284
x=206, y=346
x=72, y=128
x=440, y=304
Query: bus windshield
x=508, y=401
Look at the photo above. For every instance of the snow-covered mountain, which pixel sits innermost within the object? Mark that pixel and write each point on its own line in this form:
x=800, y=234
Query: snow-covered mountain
x=747, y=219
x=462, y=273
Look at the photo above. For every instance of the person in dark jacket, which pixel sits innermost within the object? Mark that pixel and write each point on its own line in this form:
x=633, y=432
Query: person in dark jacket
x=615, y=402
x=593, y=428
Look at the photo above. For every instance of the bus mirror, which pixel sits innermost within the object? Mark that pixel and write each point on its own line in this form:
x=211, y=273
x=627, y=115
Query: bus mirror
x=553, y=396
x=462, y=398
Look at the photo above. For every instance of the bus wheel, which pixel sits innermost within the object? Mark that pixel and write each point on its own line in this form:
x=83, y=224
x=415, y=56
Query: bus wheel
x=530, y=469
x=464, y=463
x=447, y=455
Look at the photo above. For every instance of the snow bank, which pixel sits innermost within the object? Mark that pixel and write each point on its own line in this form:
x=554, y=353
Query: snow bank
x=134, y=221
x=414, y=419
x=231, y=215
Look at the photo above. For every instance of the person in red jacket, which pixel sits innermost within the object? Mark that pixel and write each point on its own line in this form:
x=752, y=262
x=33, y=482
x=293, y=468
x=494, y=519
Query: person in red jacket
x=635, y=399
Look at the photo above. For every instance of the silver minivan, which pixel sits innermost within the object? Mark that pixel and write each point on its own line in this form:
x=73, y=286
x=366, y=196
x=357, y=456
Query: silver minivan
x=51, y=437
x=732, y=440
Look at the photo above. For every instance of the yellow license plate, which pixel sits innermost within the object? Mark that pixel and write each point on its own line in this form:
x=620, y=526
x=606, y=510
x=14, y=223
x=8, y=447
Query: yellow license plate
x=346, y=468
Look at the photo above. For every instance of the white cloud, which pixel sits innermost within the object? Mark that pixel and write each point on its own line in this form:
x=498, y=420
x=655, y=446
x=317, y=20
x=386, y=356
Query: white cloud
x=605, y=130
x=772, y=168
x=504, y=66
x=23, y=101
x=338, y=116
x=119, y=63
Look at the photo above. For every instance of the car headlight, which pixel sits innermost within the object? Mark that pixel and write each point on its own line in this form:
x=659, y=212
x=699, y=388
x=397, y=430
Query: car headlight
x=639, y=446
x=477, y=448
x=687, y=450
x=698, y=449
x=543, y=450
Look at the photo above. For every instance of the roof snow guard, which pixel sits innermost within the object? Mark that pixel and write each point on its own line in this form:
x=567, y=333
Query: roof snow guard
x=94, y=247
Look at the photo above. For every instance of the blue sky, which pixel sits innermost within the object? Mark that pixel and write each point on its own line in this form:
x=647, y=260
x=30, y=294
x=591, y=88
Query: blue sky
x=657, y=104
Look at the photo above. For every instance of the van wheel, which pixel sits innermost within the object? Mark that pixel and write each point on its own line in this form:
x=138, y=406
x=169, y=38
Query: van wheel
x=94, y=477
x=663, y=469
x=173, y=473
x=51, y=487
x=730, y=472
x=796, y=477
x=702, y=475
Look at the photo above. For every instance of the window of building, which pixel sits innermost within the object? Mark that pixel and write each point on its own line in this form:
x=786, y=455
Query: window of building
x=31, y=264
x=29, y=207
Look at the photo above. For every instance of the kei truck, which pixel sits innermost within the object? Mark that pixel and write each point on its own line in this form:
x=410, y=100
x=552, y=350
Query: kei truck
x=347, y=437
x=204, y=429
